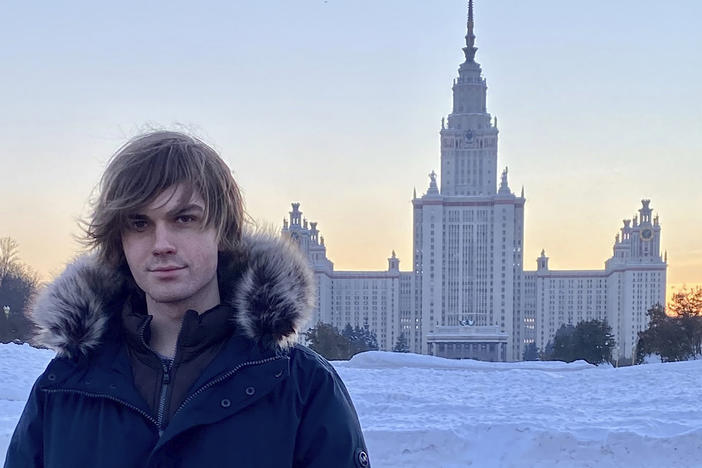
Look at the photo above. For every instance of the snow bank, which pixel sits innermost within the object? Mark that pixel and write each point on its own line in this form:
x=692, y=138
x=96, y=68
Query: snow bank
x=387, y=360
x=423, y=411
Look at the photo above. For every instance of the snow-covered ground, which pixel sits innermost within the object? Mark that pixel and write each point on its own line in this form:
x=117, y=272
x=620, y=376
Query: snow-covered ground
x=422, y=411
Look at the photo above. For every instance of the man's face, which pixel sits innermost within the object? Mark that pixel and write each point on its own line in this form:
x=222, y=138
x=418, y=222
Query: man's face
x=171, y=254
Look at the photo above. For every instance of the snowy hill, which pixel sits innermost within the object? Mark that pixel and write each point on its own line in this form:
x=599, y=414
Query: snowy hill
x=433, y=412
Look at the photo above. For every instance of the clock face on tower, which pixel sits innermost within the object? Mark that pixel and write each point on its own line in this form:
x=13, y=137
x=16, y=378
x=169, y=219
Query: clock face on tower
x=646, y=234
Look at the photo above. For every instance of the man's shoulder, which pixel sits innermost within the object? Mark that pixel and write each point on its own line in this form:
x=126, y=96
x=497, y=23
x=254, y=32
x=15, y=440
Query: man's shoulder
x=308, y=356
x=59, y=370
x=64, y=370
x=310, y=363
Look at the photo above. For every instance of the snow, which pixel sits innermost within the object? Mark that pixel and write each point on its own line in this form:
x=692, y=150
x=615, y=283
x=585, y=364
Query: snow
x=20, y=365
x=427, y=411
x=652, y=359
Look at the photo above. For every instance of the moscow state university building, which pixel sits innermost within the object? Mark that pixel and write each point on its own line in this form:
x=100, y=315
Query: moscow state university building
x=468, y=294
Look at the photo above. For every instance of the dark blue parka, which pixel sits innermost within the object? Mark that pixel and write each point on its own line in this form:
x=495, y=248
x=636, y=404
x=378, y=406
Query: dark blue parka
x=262, y=401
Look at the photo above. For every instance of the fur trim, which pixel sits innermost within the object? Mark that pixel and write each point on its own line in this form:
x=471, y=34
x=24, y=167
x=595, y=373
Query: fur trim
x=276, y=292
x=70, y=313
x=267, y=282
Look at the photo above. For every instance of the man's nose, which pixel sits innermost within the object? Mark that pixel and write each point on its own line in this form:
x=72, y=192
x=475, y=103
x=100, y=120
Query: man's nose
x=163, y=240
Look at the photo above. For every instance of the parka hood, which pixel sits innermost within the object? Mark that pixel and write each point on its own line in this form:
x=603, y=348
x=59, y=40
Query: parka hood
x=266, y=281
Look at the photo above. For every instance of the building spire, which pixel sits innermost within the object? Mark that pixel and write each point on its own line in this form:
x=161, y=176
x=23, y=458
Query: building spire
x=470, y=49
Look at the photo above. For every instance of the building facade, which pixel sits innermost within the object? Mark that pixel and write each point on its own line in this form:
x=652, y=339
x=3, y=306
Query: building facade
x=378, y=300
x=467, y=295
x=633, y=280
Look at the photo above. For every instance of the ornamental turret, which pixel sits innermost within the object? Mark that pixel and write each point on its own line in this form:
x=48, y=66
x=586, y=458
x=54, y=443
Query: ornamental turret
x=639, y=239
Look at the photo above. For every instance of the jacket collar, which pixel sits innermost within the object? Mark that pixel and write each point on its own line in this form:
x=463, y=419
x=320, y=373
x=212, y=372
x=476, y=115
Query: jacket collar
x=198, y=333
x=266, y=281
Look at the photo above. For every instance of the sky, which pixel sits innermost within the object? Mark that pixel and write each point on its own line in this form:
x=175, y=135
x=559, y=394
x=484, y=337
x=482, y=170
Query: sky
x=338, y=104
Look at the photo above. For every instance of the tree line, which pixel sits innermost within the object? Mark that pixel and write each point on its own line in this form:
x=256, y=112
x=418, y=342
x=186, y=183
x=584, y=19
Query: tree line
x=18, y=283
x=590, y=341
x=334, y=345
x=673, y=334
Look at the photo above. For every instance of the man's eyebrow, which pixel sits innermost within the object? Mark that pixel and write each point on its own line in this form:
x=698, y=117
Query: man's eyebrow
x=183, y=209
x=136, y=216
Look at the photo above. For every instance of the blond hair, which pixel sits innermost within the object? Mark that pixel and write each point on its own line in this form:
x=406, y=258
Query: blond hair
x=146, y=166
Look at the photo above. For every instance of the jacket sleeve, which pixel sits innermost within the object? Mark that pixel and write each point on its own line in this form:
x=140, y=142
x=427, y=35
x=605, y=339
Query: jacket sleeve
x=329, y=433
x=26, y=446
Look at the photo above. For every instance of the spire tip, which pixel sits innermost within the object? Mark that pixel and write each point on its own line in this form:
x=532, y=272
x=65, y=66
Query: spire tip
x=470, y=48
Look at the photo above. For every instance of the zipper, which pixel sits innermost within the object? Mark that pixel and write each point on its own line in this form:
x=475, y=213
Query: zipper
x=165, y=381
x=224, y=377
x=146, y=323
x=108, y=397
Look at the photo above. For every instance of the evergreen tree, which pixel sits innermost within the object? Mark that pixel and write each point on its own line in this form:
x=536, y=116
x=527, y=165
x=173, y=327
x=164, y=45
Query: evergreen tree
x=401, y=345
x=590, y=340
x=563, y=344
x=360, y=339
x=368, y=338
x=593, y=341
x=326, y=340
x=531, y=353
x=349, y=333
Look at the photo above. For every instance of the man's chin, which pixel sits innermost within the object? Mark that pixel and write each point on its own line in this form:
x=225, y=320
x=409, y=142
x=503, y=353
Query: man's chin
x=168, y=297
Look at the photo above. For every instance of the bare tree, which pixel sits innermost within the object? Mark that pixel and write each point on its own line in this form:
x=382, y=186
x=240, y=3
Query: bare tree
x=9, y=256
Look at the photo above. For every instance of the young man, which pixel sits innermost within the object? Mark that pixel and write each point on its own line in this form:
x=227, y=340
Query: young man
x=175, y=338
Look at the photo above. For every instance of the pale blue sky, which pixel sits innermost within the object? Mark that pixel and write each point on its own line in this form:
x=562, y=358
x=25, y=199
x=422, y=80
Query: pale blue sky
x=338, y=104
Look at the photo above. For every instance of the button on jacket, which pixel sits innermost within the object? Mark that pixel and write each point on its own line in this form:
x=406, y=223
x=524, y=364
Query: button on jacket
x=261, y=401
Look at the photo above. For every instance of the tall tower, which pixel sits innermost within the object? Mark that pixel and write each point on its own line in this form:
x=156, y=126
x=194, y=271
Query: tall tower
x=468, y=235
x=469, y=140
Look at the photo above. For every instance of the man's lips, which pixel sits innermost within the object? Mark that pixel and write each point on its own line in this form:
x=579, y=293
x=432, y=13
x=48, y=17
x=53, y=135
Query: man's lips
x=165, y=269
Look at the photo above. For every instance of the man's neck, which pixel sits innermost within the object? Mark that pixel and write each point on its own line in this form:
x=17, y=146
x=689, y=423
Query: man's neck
x=168, y=320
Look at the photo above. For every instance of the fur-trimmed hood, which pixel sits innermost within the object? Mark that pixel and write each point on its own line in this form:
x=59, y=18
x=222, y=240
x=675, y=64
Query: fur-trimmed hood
x=267, y=282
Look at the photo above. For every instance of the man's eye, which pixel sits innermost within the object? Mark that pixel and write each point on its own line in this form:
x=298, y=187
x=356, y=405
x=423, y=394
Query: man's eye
x=186, y=219
x=137, y=224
